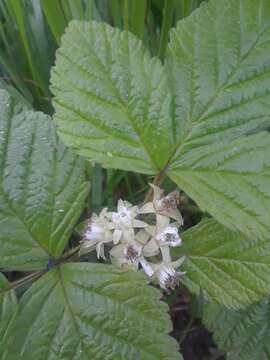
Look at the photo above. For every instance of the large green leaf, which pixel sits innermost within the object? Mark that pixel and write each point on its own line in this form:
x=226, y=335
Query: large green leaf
x=42, y=188
x=219, y=66
x=218, y=61
x=112, y=100
x=114, y=105
x=8, y=305
x=243, y=334
x=90, y=311
x=226, y=266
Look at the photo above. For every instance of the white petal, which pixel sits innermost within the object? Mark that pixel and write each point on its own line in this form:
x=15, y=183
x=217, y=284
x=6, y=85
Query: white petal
x=146, y=267
x=162, y=222
x=176, y=264
x=100, y=250
x=142, y=236
x=147, y=208
x=128, y=235
x=166, y=256
x=87, y=247
x=151, y=229
x=139, y=224
x=151, y=248
x=103, y=213
x=117, y=236
x=176, y=215
x=134, y=210
x=120, y=204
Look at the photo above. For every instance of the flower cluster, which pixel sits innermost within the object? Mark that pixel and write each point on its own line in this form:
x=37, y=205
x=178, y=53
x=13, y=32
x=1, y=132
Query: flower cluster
x=135, y=243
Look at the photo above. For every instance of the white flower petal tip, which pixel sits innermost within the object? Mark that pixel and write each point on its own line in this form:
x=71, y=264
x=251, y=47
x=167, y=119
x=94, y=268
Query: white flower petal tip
x=177, y=263
x=146, y=267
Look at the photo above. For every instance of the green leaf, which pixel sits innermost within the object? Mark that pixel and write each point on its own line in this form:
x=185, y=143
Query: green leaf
x=8, y=305
x=55, y=17
x=226, y=266
x=231, y=181
x=90, y=311
x=243, y=334
x=218, y=61
x=42, y=188
x=112, y=100
x=114, y=105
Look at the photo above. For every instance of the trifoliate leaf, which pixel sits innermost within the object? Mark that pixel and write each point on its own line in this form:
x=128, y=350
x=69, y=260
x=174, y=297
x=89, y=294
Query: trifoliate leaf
x=226, y=266
x=244, y=334
x=42, y=188
x=112, y=100
x=90, y=311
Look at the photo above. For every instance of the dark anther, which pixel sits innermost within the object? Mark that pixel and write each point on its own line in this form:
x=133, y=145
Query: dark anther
x=51, y=264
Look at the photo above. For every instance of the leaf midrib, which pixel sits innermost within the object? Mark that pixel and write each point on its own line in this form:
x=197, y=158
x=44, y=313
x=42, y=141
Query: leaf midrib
x=210, y=102
x=121, y=103
x=5, y=196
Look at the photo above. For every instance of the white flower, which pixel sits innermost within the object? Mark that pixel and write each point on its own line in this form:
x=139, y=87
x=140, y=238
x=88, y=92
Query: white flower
x=97, y=233
x=127, y=254
x=169, y=236
x=124, y=222
x=136, y=243
x=132, y=252
x=165, y=207
x=167, y=276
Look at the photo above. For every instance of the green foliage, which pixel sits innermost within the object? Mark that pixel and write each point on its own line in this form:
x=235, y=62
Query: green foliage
x=112, y=100
x=26, y=50
x=58, y=13
x=243, y=334
x=113, y=105
x=90, y=311
x=218, y=62
x=228, y=267
x=78, y=311
x=42, y=190
x=201, y=118
x=230, y=180
x=8, y=305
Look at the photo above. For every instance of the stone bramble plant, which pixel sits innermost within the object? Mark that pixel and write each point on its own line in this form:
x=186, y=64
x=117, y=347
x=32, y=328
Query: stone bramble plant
x=201, y=119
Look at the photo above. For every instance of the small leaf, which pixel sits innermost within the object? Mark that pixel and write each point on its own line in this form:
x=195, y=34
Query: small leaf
x=218, y=62
x=8, y=305
x=91, y=311
x=112, y=100
x=42, y=188
x=243, y=334
x=228, y=267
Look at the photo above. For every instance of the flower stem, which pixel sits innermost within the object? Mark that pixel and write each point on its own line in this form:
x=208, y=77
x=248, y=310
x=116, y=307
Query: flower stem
x=157, y=181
